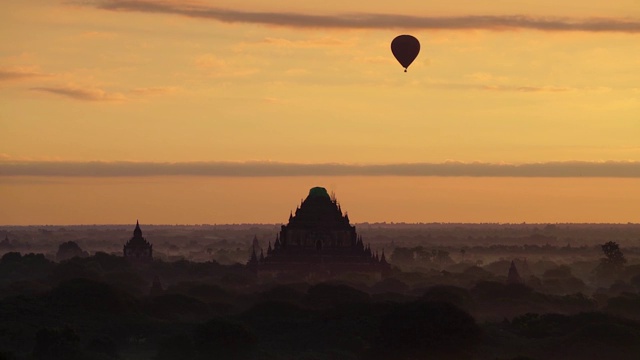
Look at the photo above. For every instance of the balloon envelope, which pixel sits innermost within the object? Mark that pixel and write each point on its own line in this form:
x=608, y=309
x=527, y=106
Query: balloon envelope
x=405, y=48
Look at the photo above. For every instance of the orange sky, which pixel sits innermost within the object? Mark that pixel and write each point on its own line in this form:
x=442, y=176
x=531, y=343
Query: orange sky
x=301, y=82
x=214, y=200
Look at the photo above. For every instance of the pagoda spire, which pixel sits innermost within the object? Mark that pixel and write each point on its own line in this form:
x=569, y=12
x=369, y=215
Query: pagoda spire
x=383, y=260
x=255, y=243
x=276, y=246
x=137, y=232
x=513, y=277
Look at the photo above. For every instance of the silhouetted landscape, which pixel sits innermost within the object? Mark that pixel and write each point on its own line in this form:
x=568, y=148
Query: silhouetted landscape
x=485, y=154
x=452, y=291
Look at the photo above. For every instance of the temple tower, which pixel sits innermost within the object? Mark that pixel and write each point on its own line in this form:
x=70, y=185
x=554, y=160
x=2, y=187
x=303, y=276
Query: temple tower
x=138, y=249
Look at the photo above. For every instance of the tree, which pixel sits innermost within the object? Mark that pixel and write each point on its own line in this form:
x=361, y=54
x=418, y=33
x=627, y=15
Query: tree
x=69, y=250
x=613, y=262
x=614, y=256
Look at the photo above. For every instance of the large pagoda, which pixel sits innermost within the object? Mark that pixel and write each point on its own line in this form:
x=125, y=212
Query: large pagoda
x=318, y=240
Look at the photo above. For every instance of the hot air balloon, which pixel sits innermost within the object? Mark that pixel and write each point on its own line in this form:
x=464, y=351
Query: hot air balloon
x=405, y=48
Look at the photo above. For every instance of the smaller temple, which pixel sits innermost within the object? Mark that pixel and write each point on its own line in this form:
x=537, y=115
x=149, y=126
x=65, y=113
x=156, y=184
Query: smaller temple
x=138, y=249
x=6, y=244
x=513, y=277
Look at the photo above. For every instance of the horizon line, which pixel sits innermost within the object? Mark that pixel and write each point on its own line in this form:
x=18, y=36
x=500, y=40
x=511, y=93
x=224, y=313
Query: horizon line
x=551, y=169
x=524, y=223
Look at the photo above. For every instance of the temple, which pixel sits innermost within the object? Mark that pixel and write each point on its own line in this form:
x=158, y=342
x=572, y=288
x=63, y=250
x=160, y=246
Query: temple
x=138, y=249
x=318, y=241
x=513, y=277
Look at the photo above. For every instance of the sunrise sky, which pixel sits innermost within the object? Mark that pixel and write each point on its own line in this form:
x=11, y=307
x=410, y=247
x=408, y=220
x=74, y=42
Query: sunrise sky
x=229, y=111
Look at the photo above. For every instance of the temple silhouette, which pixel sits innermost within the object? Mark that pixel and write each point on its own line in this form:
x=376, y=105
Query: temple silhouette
x=138, y=249
x=318, y=241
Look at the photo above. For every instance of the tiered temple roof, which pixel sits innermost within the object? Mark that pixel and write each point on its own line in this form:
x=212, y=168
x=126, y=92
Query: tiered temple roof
x=138, y=248
x=318, y=238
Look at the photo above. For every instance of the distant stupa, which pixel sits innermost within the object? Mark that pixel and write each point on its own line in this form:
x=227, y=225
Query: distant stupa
x=255, y=245
x=513, y=277
x=138, y=249
x=318, y=240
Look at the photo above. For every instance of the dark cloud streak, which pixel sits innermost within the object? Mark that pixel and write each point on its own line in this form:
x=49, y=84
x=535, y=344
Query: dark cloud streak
x=18, y=74
x=374, y=21
x=88, y=94
x=262, y=169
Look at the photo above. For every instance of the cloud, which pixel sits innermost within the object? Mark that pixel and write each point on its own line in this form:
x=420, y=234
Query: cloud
x=297, y=72
x=374, y=59
x=19, y=73
x=98, y=35
x=210, y=61
x=216, y=67
x=257, y=169
x=155, y=90
x=502, y=88
x=371, y=21
x=84, y=94
x=528, y=89
x=303, y=44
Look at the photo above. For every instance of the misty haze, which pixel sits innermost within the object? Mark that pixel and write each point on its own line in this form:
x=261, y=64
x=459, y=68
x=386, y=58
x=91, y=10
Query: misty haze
x=320, y=287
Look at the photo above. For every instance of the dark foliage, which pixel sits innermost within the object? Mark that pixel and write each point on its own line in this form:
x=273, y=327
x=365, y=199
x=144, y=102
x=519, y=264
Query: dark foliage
x=7, y=356
x=83, y=295
x=457, y=296
x=220, y=338
x=177, y=307
x=281, y=294
x=176, y=347
x=422, y=329
x=492, y=290
x=327, y=295
x=613, y=263
x=53, y=344
x=614, y=255
x=69, y=250
x=15, y=267
x=104, y=345
x=627, y=305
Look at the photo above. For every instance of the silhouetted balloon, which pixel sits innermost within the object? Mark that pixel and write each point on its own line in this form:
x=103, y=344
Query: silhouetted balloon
x=405, y=48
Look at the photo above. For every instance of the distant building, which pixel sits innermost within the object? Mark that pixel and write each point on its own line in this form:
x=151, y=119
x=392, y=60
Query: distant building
x=138, y=249
x=513, y=277
x=255, y=245
x=318, y=241
x=5, y=244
